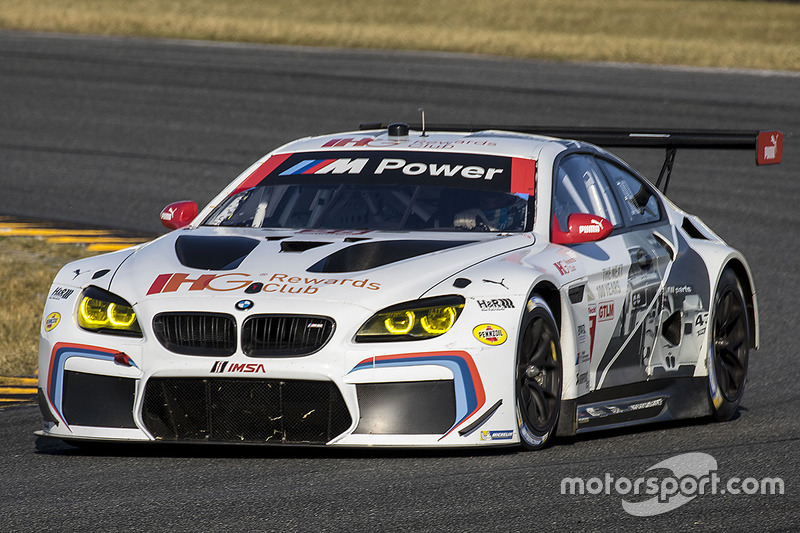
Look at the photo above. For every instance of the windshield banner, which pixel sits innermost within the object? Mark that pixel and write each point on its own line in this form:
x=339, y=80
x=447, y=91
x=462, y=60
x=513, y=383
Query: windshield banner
x=469, y=171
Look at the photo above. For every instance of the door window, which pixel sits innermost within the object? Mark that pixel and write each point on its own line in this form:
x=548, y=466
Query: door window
x=580, y=187
x=637, y=199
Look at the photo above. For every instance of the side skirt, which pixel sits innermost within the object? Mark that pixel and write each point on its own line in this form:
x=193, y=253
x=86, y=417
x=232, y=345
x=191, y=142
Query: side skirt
x=658, y=400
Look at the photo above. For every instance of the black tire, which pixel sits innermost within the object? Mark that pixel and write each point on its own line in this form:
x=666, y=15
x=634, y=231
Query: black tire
x=729, y=347
x=538, y=376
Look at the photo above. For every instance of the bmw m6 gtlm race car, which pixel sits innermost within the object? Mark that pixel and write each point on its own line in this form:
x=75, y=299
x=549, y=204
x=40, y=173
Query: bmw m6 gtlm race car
x=400, y=287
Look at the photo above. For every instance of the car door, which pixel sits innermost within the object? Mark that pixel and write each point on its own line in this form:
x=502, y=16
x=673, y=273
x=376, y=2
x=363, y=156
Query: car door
x=646, y=237
x=618, y=313
x=676, y=321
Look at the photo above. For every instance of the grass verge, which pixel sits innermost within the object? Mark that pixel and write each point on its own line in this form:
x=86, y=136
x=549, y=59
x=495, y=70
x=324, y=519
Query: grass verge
x=711, y=33
x=27, y=266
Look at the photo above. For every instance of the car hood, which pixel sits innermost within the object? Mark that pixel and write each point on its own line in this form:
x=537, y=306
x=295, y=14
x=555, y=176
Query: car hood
x=372, y=269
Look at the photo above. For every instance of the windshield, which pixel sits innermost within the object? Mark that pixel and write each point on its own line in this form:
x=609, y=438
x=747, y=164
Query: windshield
x=358, y=206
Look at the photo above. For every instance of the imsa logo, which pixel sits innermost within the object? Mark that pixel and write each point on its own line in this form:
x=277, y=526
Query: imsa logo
x=226, y=367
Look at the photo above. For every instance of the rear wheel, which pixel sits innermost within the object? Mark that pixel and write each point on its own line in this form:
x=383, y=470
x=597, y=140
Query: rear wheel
x=729, y=347
x=538, y=376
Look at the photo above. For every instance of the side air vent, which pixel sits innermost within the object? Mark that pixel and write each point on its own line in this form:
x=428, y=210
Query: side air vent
x=671, y=328
x=691, y=230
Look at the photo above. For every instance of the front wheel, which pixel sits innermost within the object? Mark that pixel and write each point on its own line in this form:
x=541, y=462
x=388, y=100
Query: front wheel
x=538, y=375
x=729, y=347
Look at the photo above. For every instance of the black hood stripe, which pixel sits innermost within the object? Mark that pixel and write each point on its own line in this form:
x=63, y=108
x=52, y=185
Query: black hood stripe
x=369, y=255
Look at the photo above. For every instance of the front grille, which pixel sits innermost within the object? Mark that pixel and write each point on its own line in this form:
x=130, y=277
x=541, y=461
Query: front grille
x=212, y=334
x=285, y=335
x=253, y=411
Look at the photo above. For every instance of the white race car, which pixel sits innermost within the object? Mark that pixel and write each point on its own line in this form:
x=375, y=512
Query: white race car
x=394, y=286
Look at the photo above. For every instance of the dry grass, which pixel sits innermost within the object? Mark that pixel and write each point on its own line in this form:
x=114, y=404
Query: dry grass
x=27, y=267
x=719, y=33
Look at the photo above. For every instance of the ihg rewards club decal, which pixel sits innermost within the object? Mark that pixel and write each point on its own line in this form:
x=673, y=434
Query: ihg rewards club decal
x=235, y=281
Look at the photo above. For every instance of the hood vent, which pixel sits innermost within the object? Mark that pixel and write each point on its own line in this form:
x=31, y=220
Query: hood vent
x=369, y=255
x=213, y=253
x=300, y=246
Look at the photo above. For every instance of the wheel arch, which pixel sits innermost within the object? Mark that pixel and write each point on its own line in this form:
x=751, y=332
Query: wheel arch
x=567, y=419
x=742, y=273
x=549, y=293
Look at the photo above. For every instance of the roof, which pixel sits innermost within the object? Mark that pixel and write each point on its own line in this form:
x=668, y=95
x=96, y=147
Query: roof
x=498, y=143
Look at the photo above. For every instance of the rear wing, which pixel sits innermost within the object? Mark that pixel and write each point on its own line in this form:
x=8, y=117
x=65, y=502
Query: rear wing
x=768, y=145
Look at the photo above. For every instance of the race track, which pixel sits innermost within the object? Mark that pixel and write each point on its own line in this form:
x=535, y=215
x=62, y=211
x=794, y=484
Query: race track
x=108, y=131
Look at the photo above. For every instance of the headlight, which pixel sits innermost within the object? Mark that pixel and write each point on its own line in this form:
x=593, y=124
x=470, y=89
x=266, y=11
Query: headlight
x=104, y=312
x=421, y=319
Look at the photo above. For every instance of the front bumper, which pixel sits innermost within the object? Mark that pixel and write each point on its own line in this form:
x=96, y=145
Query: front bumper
x=419, y=393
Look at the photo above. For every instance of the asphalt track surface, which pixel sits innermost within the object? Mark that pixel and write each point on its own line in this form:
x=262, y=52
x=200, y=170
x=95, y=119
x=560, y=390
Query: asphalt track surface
x=108, y=131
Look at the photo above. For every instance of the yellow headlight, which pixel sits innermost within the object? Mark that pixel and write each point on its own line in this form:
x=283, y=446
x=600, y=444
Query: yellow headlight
x=101, y=310
x=93, y=313
x=399, y=323
x=421, y=319
x=121, y=315
x=439, y=320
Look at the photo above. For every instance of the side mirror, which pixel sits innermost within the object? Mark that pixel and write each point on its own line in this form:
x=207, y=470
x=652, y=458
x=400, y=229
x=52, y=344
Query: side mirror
x=582, y=227
x=179, y=214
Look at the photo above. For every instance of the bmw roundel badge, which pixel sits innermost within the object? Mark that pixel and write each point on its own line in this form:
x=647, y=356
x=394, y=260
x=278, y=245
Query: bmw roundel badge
x=244, y=305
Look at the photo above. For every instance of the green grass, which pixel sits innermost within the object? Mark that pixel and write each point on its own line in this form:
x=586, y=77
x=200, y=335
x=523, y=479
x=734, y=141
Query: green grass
x=27, y=267
x=711, y=33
